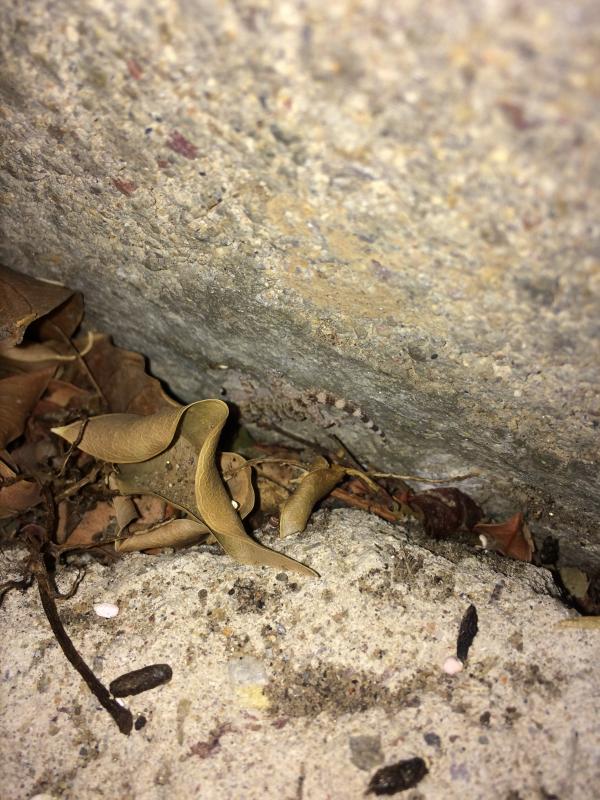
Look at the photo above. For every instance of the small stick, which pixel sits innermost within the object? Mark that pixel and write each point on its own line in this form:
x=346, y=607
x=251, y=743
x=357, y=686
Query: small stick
x=75, y=487
x=423, y=478
x=81, y=361
x=254, y=462
x=122, y=716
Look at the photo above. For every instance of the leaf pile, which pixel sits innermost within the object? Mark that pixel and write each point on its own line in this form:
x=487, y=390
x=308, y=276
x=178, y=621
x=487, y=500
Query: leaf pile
x=95, y=456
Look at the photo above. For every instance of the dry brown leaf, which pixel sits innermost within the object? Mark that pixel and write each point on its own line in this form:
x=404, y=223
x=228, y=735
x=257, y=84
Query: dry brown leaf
x=124, y=438
x=444, y=511
x=174, y=533
x=202, y=425
x=153, y=457
x=125, y=512
x=18, y=396
x=169, y=475
x=97, y=525
x=152, y=511
x=313, y=487
x=6, y=472
x=18, y=497
x=238, y=482
x=122, y=377
x=66, y=395
x=33, y=356
x=33, y=456
x=511, y=538
x=65, y=318
x=24, y=299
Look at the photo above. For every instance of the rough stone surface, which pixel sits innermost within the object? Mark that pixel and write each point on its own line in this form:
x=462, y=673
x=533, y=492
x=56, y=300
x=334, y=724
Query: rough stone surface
x=395, y=202
x=302, y=688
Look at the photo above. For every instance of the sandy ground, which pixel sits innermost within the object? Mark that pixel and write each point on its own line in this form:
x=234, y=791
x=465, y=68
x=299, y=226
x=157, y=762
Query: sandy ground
x=297, y=688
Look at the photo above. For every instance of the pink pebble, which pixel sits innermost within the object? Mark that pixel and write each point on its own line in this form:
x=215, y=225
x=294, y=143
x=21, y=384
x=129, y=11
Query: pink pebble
x=106, y=610
x=452, y=665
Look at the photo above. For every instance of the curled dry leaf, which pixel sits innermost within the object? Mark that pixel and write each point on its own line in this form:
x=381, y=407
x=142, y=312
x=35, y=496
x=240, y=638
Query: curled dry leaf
x=174, y=533
x=238, y=482
x=18, y=396
x=444, y=512
x=124, y=438
x=123, y=380
x=511, y=538
x=36, y=355
x=313, y=487
x=158, y=453
x=24, y=299
x=203, y=428
x=66, y=395
x=97, y=526
x=18, y=497
x=125, y=512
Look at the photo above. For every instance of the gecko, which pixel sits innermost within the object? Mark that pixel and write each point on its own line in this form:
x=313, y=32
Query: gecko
x=281, y=401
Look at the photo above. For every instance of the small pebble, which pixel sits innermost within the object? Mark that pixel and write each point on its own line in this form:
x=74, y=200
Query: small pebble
x=452, y=665
x=106, y=610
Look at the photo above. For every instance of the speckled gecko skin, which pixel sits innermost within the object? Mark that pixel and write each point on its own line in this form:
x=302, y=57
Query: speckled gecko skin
x=281, y=401
x=328, y=399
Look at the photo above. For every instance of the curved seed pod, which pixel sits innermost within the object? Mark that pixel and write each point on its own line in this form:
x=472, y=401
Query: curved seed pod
x=313, y=487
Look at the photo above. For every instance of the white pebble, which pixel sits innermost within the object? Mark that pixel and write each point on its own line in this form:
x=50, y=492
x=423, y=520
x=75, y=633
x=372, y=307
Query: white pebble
x=452, y=665
x=106, y=610
x=235, y=504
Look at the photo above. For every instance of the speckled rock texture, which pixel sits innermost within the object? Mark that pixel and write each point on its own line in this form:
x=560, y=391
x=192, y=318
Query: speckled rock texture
x=287, y=687
x=395, y=202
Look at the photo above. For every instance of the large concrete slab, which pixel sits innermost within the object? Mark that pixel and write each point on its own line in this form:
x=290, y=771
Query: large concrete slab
x=392, y=202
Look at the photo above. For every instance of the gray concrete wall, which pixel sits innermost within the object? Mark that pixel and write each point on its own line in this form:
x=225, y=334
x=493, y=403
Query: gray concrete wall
x=394, y=202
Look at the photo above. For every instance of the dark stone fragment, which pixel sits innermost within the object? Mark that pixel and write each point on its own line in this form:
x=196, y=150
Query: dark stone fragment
x=432, y=739
x=140, y=680
x=398, y=777
x=140, y=722
x=466, y=633
x=485, y=718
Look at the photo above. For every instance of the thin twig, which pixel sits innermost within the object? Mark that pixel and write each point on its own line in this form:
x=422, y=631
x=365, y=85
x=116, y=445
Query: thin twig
x=423, y=478
x=73, y=447
x=122, y=716
x=75, y=487
x=254, y=462
x=82, y=363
